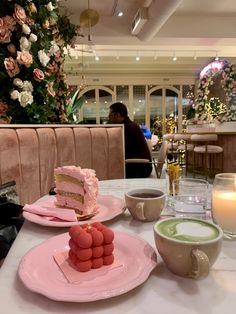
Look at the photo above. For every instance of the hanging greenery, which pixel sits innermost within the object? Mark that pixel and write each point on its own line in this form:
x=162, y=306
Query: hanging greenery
x=32, y=40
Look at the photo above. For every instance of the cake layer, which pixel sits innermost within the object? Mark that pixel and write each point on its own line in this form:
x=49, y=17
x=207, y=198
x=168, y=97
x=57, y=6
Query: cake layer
x=69, y=179
x=69, y=187
x=68, y=202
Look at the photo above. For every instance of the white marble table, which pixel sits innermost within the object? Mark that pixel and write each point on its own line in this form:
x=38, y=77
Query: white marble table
x=162, y=293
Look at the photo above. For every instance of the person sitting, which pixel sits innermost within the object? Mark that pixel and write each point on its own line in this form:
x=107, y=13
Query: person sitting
x=135, y=143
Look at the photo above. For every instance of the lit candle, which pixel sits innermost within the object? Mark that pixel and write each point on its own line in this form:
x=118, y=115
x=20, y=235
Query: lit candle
x=224, y=209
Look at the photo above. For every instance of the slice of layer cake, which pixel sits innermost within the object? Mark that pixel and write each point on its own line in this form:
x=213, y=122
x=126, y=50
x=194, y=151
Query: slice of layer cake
x=76, y=189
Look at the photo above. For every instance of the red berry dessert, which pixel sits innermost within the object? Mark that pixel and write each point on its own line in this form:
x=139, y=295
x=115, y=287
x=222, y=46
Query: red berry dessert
x=91, y=246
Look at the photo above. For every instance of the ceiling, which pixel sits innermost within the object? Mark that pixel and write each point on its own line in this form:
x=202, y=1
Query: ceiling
x=196, y=31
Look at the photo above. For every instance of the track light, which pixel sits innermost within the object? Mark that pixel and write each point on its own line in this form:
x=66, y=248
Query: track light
x=117, y=55
x=174, y=57
x=96, y=57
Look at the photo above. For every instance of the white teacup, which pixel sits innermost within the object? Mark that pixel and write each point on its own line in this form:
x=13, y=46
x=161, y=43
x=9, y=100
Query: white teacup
x=145, y=204
x=188, y=246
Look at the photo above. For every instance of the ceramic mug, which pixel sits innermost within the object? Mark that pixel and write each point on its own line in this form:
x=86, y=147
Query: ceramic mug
x=188, y=246
x=145, y=204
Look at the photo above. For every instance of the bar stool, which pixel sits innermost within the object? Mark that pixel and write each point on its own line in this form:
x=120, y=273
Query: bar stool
x=184, y=148
x=203, y=147
x=172, y=145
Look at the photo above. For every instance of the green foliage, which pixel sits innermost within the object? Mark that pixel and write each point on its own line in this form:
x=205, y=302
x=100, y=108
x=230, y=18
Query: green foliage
x=74, y=105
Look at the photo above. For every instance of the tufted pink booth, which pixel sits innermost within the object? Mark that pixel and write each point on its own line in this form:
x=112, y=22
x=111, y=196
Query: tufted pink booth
x=29, y=154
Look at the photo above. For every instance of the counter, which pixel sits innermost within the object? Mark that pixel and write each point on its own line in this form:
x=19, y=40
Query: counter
x=226, y=138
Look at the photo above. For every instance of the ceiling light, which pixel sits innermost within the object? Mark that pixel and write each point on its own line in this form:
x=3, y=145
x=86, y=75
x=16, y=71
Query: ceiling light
x=155, y=56
x=217, y=57
x=137, y=56
x=97, y=58
x=120, y=13
x=174, y=57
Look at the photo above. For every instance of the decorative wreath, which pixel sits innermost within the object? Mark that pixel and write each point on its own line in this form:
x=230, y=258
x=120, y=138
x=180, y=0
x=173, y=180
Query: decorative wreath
x=228, y=83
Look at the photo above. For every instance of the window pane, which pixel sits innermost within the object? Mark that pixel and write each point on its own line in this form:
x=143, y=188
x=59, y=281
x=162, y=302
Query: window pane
x=89, y=107
x=105, y=100
x=139, y=110
x=122, y=94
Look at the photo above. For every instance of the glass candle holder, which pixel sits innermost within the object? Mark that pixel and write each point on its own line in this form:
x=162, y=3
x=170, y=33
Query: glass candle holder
x=224, y=203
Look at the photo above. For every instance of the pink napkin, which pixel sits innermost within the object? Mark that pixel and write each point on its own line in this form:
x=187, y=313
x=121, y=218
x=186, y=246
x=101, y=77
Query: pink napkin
x=61, y=213
x=73, y=276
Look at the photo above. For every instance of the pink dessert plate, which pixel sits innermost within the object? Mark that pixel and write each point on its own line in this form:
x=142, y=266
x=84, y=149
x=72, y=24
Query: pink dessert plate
x=39, y=272
x=109, y=207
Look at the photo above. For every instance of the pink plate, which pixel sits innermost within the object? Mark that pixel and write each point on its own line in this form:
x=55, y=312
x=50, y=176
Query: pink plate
x=109, y=207
x=40, y=273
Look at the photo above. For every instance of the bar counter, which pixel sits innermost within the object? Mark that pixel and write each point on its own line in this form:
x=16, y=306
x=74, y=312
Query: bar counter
x=226, y=132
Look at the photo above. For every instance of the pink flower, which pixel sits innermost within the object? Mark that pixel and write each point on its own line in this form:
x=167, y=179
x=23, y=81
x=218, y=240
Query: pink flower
x=5, y=35
x=19, y=14
x=38, y=75
x=24, y=57
x=11, y=66
x=9, y=22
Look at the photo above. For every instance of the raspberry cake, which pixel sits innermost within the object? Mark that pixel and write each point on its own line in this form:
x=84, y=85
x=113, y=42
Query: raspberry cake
x=91, y=246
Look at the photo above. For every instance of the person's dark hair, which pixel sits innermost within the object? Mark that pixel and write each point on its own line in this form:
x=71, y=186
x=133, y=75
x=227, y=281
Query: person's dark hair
x=119, y=107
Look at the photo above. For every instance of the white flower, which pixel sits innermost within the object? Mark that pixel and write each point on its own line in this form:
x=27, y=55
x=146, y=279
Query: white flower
x=33, y=38
x=54, y=48
x=25, y=98
x=14, y=94
x=18, y=82
x=43, y=57
x=27, y=86
x=25, y=44
x=25, y=29
x=49, y=6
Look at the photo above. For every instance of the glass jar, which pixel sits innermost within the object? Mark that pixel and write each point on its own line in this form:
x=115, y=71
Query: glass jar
x=224, y=203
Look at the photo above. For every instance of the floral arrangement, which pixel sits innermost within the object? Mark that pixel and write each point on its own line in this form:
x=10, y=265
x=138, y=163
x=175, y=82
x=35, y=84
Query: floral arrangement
x=228, y=83
x=32, y=40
